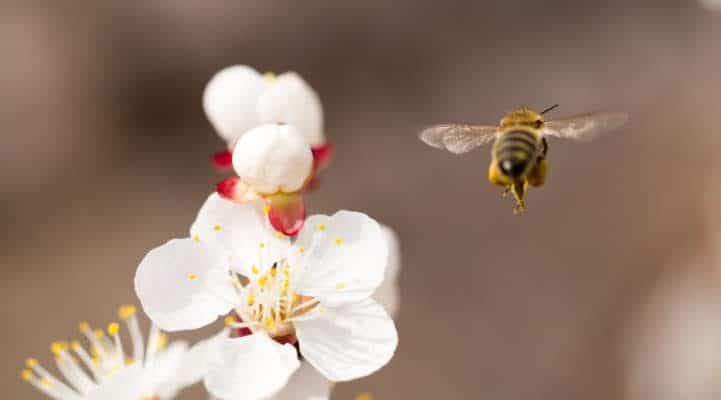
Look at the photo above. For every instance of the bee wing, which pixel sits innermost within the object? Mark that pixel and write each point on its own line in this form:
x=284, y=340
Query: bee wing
x=586, y=126
x=458, y=138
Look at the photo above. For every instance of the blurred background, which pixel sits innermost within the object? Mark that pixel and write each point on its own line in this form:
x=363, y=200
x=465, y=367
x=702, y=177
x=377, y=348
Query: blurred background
x=609, y=287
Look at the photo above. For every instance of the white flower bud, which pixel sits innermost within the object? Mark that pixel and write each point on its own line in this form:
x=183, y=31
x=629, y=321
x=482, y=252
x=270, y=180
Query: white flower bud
x=273, y=158
x=230, y=101
x=289, y=99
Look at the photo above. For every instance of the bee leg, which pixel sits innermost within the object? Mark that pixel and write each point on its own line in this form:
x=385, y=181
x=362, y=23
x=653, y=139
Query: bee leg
x=506, y=191
x=519, y=194
x=537, y=176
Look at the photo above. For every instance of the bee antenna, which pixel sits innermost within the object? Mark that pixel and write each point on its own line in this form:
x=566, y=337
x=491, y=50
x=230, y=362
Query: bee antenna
x=549, y=109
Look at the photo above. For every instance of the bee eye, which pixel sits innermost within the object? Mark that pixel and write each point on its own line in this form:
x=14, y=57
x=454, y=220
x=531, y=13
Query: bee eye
x=538, y=123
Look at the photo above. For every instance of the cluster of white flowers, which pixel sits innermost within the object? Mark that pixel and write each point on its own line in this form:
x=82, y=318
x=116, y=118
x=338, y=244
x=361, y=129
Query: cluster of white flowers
x=306, y=301
x=273, y=128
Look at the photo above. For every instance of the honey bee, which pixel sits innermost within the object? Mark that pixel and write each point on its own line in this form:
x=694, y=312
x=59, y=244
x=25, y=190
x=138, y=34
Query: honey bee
x=520, y=149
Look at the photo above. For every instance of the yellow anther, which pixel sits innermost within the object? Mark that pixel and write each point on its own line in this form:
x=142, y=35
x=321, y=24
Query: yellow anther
x=216, y=228
x=31, y=362
x=46, y=382
x=285, y=284
x=57, y=347
x=229, y=320
x=129, y=360
x=266, y=208
x=254, y=269
x=26, y=375
x=364, y=396
x=301, y=249
x=84, y=327
x=262, y=245
x=192, y=276
x=338, y=240
x=269, y=322
x=99, y=333
x=126, y=311
x=269, y=76
x=251, y=300
x=340, y=286
x=263, y=280
x=113, y=328
x=75, y=345
x=321, y=227
x=162, y=341
x=196, y=238
x=273, y=272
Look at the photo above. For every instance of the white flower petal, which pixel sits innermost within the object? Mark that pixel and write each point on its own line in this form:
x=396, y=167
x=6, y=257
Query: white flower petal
x=161, y=374
x=348, y=342
x=306, y=384
x=180, y=285
x=241, y=230
x=230, y=101
x=387, y=293
x=289, y=99
x=194, y=365
x=342, y=258
x=250, y=367
x=273, y=158
x=128, y=383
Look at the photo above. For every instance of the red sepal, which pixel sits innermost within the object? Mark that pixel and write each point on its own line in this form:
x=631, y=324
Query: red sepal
x=286, y=212
x=322, y=156
x=222, y=160
x=234, y=189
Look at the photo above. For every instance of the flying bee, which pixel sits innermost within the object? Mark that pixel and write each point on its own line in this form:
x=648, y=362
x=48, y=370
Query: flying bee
x=519, y=152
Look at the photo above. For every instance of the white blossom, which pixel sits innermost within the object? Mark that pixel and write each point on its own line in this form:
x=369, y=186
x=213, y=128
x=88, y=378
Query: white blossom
x=238, y=99
x=273, y=158
x=315, y=291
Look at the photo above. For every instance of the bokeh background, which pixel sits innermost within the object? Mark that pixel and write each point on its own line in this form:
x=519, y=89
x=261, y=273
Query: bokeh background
x=607, y=288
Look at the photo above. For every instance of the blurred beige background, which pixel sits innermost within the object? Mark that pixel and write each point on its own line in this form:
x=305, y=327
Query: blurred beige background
x=104, y=150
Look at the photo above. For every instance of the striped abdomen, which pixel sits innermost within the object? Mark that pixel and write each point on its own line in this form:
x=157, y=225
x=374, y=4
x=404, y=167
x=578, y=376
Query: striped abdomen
x=516, y=152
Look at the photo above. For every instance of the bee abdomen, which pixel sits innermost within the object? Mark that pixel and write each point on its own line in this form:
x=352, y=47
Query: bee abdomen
x=515, y=151
x=518, y=138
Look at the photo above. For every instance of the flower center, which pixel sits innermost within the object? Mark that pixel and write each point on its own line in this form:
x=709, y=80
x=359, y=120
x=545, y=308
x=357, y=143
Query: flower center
x=268, y=302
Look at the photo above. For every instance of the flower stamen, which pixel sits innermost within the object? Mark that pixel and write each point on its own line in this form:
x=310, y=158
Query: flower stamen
x=83, y=370
x=268, y=302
